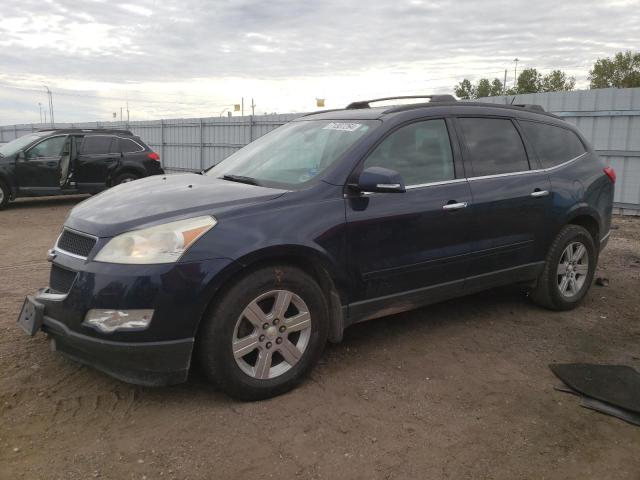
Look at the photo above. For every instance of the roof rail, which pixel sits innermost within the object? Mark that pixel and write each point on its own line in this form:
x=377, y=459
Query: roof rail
x=432, y=98
x=530, y=106
x=85, y=130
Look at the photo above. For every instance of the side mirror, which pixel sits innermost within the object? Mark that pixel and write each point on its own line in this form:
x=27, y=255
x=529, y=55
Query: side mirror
x=378, y=179
x=20, y=156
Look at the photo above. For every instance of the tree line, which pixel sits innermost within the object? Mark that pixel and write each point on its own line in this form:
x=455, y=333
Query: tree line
x=620, y=71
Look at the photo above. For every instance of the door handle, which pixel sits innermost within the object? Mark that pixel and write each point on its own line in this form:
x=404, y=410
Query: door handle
x=52, y=164
x=455, y=206
x=540, y=193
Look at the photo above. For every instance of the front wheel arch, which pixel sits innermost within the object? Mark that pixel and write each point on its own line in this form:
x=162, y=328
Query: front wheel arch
x=301, y=257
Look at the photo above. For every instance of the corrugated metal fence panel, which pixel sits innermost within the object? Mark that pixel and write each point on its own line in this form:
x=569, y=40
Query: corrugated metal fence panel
x=185, y=144
x=610, y=119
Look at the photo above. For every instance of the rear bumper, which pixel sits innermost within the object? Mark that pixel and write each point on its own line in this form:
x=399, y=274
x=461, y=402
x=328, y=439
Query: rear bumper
x=142, y=363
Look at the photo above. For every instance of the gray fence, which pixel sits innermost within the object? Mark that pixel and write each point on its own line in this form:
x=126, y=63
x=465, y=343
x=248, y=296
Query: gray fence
x=610, y=119
x=185, y=144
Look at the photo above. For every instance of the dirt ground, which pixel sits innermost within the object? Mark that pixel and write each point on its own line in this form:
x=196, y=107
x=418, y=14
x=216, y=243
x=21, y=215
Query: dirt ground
x=459, y=390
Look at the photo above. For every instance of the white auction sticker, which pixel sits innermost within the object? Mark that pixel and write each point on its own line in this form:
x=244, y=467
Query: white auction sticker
x=343, y=127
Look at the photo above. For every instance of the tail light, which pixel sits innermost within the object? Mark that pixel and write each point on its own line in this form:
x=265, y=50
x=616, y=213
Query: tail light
x=154, y=156
x=611, y=173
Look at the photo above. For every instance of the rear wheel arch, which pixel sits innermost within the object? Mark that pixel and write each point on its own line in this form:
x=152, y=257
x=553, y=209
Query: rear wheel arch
x=128, y=169
x=589, y=221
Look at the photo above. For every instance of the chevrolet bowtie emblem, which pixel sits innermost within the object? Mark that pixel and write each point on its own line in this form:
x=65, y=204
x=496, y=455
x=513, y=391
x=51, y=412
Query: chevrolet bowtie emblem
x=51, y=254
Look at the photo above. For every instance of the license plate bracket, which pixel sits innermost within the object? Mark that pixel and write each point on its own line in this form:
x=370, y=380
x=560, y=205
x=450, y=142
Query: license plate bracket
x=31, y=316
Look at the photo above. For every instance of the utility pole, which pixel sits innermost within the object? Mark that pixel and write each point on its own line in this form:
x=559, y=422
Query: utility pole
x=504, y=85
x=242, y=106
x=253, y=108
x=127, y=111
x=515, y=73
x=50, y=106
x=121, y=114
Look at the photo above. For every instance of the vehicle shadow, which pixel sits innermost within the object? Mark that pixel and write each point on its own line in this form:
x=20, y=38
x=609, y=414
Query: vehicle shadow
x=36, y=202
x=384, y=331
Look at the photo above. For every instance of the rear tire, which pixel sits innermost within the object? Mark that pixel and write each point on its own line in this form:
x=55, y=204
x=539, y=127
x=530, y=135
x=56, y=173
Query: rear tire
x=126, y=178
x=569, y=269
x=5, y=195
x=264, y=334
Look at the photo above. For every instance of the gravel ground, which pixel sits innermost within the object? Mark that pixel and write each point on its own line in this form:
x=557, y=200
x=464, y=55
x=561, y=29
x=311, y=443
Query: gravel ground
x=457, y=390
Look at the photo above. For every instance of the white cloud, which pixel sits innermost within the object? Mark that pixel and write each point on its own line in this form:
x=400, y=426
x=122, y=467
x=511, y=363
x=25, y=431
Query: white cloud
x=137, y=9
x=194, y=57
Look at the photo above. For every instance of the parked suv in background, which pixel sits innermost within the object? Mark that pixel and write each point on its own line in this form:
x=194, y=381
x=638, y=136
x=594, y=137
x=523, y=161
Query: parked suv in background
x=70, y=161
x=335, y=218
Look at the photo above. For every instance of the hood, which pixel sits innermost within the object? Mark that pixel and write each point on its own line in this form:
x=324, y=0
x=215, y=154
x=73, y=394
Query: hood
x=161, y=198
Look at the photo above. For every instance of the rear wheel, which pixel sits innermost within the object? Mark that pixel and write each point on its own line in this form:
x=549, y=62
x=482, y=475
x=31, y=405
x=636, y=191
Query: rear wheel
x=126, y=178
x=569, y=270
x=4, y=195
x=265, y=334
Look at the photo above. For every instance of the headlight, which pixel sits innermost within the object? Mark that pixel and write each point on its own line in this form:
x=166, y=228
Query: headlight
x=161, y=244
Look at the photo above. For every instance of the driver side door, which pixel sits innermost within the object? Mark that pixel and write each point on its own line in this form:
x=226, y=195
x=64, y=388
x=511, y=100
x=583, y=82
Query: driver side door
x=38, y=168
x=409, y=249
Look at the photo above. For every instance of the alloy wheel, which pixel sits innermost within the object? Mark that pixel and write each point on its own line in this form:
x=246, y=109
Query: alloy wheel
x=271, y=334
x=573, y=269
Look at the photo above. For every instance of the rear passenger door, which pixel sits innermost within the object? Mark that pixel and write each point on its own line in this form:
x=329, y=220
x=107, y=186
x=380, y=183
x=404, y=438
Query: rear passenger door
x=511, y=202
x=98, y=155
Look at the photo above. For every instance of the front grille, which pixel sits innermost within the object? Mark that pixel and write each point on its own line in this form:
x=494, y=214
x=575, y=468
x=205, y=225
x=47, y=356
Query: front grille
x=61, y=279
x=76, y=243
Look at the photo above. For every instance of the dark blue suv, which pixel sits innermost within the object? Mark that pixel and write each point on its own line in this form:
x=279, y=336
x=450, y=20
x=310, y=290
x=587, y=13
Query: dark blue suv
x=335, y=218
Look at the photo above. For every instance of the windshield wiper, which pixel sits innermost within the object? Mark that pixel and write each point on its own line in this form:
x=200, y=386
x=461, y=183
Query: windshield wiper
x=240, y=179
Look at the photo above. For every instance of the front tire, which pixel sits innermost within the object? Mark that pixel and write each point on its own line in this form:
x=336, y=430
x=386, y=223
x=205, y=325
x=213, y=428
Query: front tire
x=265, y=334
x=5, y=195
x=569, y=269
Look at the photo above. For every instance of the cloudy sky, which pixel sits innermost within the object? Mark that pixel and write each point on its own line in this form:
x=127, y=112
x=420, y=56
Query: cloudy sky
x=196, y=58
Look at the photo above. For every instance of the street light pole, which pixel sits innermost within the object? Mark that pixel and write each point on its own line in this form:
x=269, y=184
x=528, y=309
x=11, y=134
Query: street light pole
x=40, y=107
x=50, y=105
x=515, y=73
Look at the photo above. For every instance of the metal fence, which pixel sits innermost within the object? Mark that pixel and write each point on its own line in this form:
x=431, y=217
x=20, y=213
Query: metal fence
x=185, y=144
x=609, y=118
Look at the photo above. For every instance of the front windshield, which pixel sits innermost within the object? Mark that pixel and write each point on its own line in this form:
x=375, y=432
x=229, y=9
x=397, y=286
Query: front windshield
x=18, y=144
x=294, y=153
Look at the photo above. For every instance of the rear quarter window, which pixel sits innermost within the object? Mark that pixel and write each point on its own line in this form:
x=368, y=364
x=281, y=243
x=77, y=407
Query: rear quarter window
x=130, y=146
x=493, y=145
x=553, y=145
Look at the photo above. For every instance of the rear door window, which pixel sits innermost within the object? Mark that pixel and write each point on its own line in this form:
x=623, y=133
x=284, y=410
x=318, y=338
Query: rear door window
x=98, y=145
x=493, y=145
x=553, y=145
x=130, y=146
x=419, y=152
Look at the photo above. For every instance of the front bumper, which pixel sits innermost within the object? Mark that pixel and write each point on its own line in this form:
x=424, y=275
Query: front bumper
x=144, y=363
x=159, y=355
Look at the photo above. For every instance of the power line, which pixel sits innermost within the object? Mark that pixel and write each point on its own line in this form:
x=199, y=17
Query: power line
x=118, y=99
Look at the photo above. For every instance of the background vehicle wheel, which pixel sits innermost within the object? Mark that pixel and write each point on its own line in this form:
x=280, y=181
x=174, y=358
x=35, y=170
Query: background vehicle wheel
x=569, y=269
x=265, y=333
x=126, y=178
x=4, y=195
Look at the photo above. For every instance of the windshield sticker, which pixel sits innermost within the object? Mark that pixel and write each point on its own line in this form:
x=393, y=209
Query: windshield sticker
x=343, y=127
